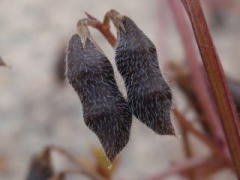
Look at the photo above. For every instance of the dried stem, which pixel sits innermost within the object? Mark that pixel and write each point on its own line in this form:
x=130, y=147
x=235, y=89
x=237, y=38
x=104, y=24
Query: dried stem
x=82, y=168
x=183, y=167
x=62, y=175
x=198, y=81
x=186, y=142
x=187, y=125
x=103, y=27
x=213, y=67
x=187, y=149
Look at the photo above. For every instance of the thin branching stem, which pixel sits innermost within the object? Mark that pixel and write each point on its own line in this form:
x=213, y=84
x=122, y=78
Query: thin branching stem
x=198, y=80
x=225, y=106
x=82, y=168
x=183, y=167
x=203, y=138
x=188, y=151
x=103, y=27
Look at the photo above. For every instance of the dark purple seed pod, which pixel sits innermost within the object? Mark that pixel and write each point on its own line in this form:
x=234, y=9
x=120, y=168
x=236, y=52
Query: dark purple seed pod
x=149, y=95
x=90, y=73
x=41, y=167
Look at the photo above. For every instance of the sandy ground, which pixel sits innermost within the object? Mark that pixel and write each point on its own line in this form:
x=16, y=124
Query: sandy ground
x=35, y=111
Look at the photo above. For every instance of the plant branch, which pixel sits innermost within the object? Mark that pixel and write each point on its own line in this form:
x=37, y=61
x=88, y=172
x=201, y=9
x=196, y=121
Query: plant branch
x=82, y=168
x=216, y=77
x=183, y=167
x=199, y=84
x=188, y=126
x=62, y=175
x=187, y=149
x=103, y=27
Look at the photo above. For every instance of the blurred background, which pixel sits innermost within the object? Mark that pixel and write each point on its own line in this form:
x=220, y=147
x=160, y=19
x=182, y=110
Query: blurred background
x=38, y=108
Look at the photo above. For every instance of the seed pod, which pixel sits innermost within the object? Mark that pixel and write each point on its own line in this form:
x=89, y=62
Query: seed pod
x=90, y=73
x=149, y=95
x=41, y=167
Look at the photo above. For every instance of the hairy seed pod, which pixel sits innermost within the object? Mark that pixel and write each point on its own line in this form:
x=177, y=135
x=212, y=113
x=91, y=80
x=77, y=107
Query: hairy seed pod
x=149, y=95
x=105, y=111
x=41, y=167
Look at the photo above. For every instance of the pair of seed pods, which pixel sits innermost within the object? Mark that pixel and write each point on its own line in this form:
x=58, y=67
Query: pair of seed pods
x=105, y=110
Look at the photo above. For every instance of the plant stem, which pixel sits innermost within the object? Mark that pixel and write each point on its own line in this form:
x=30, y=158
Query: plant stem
x=183, y=167
x=103, y=27
x=188, y=126
x=198, y=81
x=82, y=168
x=213, y=67
x=187, y=149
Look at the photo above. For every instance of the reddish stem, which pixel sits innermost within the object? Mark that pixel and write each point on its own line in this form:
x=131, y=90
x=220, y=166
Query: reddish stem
x=216, y=77
x=183, y=167
x=187, y=149
x=199, y=83
x=82, y=168
x=103, y=27
x=187, y=125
